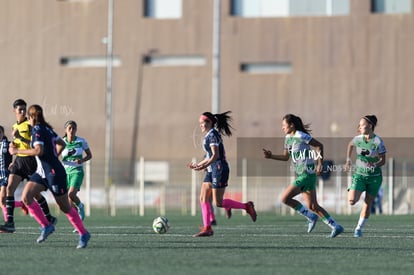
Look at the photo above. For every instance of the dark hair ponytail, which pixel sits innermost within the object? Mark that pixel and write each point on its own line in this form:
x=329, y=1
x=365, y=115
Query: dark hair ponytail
x=297, y=122
x=221, y=122
x=372, y=120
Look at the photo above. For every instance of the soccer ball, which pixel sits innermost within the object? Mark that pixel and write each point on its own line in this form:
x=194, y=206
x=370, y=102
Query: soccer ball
x=160, y=225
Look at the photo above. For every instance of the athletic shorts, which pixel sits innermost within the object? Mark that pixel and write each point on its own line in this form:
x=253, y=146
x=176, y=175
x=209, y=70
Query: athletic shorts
x=23, y=166
x=306, y=182
x=219, y=175
x=75, y=180
x=370, y=184
x=55, y=182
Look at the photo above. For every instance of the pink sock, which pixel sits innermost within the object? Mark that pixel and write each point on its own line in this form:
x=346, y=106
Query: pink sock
x=37, y=213
x=4, y=213
x=228, y=203
x=76, y=221
x=18, y=204
x=205, y=211
x=212, y=216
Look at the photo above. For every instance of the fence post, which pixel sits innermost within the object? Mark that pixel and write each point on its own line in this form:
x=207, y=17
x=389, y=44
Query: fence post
x=391, y=186
x=141, y=187
x=244, y=182
x=88, y=188
x=193, y=190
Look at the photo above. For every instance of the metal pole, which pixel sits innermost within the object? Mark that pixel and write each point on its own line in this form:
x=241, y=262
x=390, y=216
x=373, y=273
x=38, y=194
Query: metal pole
x=108, y=121
x=215, y=96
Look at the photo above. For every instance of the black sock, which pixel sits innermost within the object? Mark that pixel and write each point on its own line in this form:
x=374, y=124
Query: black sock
x=45, y=208
x=10, y=209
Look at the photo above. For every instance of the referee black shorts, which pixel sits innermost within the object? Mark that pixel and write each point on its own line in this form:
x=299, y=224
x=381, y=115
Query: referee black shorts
x=24, y=166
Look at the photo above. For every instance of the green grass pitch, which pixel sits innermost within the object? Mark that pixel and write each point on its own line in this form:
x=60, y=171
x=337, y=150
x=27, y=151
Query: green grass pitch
x=126, y=244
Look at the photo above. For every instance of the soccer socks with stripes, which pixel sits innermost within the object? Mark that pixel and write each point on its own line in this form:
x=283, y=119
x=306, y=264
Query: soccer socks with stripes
x=304, y=211
x=328, y=220
x=76, y=221
x=10, y=209
x=45, y=207
x=37, y=213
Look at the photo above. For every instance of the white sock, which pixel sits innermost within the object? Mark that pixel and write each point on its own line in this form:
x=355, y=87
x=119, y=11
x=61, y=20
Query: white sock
x=361, y=223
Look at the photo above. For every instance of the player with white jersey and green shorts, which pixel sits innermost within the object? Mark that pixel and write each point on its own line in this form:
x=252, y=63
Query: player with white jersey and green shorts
x=298, y=142
x=366, y=174
x=76, y=152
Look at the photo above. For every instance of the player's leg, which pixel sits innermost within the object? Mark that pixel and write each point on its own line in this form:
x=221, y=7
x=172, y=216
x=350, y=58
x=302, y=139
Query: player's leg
x=74, y=219
x=310, y=197
x=30, y=191
x=205, y=196
x=12, y=184
x=74, y=184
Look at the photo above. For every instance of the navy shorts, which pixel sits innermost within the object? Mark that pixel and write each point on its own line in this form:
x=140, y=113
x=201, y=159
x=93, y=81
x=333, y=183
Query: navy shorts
x=219, y=175
x=55, y=182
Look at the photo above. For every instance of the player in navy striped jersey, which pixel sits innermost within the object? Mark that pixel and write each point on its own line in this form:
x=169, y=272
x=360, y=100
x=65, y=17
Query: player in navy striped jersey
x=216, y=179
x=50, y=174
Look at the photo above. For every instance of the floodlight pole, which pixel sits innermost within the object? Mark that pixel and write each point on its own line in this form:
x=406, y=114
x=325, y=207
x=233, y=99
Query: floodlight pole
x=215, y=95
x=108, y=117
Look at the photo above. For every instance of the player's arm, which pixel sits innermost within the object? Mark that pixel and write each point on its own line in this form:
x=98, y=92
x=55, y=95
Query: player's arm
x=16, y=134
x=60, y=146
x=319, y=149
x=37, y=150
x=283, y=157
x=87, y=157
x=381, y=160
x=215, y=155
x=349, y=150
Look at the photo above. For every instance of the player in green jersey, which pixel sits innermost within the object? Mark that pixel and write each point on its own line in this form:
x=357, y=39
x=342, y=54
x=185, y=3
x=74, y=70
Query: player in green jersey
x=298, y=144
x=75, y=154
x=367, y=174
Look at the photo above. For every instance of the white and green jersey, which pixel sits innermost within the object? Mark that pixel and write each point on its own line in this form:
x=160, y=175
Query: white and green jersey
x=73, y=152
x=300, y=153
x=368, y=154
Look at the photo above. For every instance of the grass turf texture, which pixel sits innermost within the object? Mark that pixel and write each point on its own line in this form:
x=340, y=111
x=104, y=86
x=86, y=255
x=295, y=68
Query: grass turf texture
x=126, y=244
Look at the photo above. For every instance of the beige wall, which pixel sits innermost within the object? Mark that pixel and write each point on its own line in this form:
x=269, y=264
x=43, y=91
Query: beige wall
x=342, y=68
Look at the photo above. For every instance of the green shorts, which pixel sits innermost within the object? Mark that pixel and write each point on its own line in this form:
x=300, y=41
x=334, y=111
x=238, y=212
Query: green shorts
x=75, y=180
x=370, y=184
x=306, y=182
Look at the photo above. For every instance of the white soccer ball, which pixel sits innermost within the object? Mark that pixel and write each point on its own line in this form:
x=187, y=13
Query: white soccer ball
x=160, y=225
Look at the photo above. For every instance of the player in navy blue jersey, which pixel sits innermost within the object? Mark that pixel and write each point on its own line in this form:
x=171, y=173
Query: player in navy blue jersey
x=217, y=175
x=50, y=174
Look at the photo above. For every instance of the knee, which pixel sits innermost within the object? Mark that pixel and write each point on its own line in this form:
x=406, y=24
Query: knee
x=352, y=202
x=72, y=195
x=27, y=200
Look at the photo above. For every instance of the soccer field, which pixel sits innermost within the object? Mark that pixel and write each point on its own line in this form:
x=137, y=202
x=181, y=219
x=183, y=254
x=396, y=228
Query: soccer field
x=126, y=244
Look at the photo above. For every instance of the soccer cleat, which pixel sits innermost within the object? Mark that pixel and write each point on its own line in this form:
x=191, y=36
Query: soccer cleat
x=81, y=211
x=53, y=220
x=312, y=222
x=83, y=240
x=251, y=211
x=45, y=232
x=7, y=227
x=228, y=213
x=213, y=222
x=358, y=233
x=336, y=231
x=204, y=232
x=24, y=209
